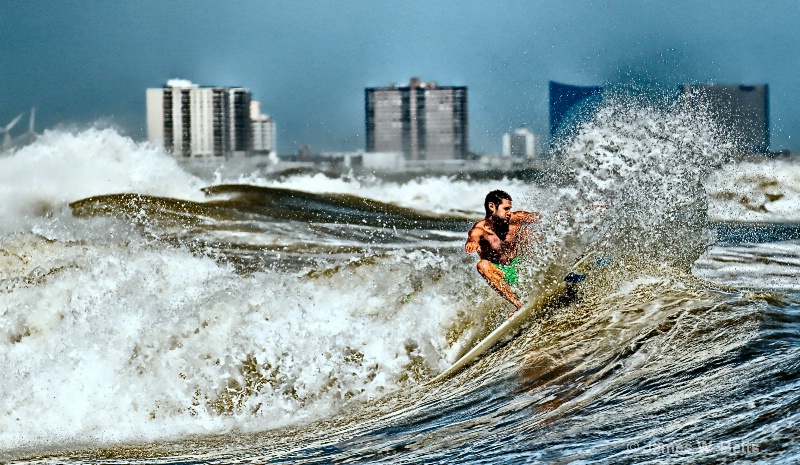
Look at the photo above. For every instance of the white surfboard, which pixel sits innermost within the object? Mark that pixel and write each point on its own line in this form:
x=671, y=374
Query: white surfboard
x=516, y=320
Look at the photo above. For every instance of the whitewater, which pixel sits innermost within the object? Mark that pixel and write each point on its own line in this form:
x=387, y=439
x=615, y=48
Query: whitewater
x=153, y=315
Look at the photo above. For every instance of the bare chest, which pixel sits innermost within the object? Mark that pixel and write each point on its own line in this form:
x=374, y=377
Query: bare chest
x=503, y=240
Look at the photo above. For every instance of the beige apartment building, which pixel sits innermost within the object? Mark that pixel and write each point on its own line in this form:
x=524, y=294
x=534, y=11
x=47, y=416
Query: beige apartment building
x=193, y=121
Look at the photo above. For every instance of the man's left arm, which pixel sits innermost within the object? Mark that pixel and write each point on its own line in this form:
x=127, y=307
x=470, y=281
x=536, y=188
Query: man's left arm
x=525, y=218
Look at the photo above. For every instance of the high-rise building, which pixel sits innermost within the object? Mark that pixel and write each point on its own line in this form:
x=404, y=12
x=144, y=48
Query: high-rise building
x=263, y=130
x=742, y=109
x=423, y=120
x=521, y=143
x=190, y=120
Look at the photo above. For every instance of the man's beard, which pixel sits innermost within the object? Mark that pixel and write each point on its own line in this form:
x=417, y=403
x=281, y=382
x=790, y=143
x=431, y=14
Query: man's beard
x=502, y=221
x=501, y=225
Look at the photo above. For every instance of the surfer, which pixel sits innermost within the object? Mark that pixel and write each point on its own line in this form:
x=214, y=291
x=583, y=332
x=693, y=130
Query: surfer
x=496, y=238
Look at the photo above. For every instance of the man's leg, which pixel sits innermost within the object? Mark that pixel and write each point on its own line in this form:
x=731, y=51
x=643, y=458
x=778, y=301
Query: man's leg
x=494, y=277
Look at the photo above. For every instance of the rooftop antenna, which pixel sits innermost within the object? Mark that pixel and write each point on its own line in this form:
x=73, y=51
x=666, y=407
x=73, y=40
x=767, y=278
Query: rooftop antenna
x=7, y=129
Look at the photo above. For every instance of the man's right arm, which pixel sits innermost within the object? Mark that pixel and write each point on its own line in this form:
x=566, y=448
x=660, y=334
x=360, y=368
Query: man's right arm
x=473, y=240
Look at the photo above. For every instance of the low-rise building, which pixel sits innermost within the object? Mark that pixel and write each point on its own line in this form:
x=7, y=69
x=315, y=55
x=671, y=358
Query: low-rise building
x=263, y=129
x=522, y=143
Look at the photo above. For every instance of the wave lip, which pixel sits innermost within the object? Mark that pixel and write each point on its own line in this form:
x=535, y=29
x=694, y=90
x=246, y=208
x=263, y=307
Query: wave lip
x=62, y=167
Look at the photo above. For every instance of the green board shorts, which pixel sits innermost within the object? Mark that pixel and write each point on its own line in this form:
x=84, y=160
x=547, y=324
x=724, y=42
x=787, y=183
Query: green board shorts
x=509, y=271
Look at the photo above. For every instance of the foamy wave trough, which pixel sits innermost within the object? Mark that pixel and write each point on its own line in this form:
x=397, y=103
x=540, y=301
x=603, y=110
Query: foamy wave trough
x=63, y=167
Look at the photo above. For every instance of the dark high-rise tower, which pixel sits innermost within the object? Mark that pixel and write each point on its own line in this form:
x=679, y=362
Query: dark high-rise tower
x=422, y=120
x=742, y=109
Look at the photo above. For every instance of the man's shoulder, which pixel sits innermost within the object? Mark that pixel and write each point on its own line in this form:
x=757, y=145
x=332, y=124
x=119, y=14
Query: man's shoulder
x=480, y=225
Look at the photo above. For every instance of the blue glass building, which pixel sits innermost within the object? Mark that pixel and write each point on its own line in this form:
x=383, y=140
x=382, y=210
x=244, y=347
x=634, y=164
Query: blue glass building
x=570, y=106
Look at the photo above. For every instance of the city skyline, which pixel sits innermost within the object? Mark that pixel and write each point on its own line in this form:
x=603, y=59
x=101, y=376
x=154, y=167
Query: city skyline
x=308, y=64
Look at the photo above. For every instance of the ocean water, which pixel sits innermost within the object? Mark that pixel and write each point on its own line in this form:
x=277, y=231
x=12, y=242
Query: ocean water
x=149, y=315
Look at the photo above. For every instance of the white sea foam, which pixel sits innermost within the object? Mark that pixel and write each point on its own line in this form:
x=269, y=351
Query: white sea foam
x=749, y=191
x=62, y=167
x=127, y=343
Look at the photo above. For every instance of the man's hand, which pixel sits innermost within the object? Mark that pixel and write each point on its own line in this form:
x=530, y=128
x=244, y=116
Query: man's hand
x=474, y=239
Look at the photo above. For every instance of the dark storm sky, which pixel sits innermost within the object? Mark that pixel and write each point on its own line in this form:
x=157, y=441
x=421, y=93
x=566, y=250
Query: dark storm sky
x=81, y=62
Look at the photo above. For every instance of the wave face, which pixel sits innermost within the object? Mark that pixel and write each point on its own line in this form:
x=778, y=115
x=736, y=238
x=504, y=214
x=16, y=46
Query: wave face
x=297, y=317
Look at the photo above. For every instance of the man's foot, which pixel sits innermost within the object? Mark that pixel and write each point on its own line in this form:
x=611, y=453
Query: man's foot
x=600, y=261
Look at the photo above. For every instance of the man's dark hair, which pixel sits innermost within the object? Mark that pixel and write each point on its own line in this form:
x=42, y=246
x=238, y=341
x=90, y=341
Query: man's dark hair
x=496, y=197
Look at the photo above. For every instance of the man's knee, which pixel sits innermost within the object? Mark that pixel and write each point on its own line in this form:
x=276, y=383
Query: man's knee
x=484, y=267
